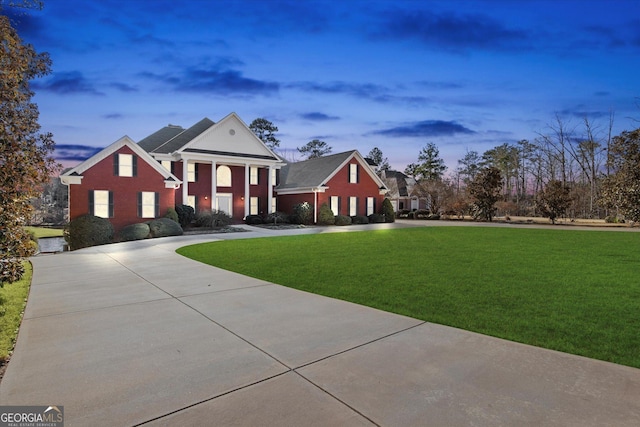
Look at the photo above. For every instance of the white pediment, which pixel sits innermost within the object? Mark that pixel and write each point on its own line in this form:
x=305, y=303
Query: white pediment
x=229, y=135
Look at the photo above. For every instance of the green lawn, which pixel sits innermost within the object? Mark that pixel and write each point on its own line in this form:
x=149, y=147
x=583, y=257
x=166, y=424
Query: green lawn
x=44, y=232
x=13, y=298
x=573, y=291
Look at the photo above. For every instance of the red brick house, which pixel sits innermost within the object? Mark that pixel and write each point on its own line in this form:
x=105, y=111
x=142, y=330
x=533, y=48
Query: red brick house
x=344, y=181
x=122, y=183
x=211, y=165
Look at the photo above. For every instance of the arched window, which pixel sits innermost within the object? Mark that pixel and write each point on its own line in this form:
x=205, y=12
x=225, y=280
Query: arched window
x=223, y=176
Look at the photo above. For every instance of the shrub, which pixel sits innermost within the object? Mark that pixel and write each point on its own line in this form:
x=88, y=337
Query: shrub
x=614, y=220
x=213, y=219
x=359, y=219
x=343, y=220
x=387, y=211
x=277, y=217
x=88, y=230
x=422, y=213
x=376, y=218
x=135, y=232
x=302, y=213
x=433, y=216
x=186, y=214
x=325, y=216
x=163, y=227
x=172, y=215
x=253, y=219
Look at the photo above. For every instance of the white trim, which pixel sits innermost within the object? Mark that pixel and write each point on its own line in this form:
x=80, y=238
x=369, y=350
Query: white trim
x=125, y=141
x=301, y=190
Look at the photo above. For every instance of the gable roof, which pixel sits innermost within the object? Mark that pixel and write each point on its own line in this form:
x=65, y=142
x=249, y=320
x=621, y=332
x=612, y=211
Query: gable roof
x=315, y=173
x=111, y=149
x=230, y=137
x=399, y=184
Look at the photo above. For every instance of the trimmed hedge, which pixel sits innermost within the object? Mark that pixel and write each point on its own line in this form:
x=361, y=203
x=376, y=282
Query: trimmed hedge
x=359, y=219
x=88, y=230
x=343, y=220
x=376, y=218
x=163, y=227
x=135, y=232
x=253, y=220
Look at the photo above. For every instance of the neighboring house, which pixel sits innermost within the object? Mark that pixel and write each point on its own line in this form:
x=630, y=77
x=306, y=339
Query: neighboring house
x=400, y=187
x=211, y=165
x=345, y=181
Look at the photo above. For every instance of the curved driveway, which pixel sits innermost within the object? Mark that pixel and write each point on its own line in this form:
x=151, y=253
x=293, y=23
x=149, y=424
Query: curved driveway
x=132, y=333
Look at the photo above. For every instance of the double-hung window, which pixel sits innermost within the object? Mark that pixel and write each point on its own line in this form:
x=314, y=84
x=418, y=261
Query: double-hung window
x=353, y=206
x=254, y=205
x=125, y=165
x=192, y=172
x=148, y=204
x=335, y=204
x=101, y=203
x=371, y=205
x=353, y=173
x=254, y=174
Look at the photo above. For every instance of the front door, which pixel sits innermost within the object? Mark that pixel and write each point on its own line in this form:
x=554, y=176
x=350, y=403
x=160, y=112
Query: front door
x=224, y=203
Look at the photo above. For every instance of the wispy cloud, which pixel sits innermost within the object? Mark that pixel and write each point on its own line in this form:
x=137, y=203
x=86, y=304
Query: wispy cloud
x=318, y=116
x=451, y=31
x=371, y=91
x=217, y=78
x=68, y=82
x=74, y=152
x=425, y=128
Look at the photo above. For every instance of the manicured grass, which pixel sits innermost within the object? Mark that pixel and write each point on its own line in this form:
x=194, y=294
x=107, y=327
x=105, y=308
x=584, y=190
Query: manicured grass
x=572, y=291
x=44, y=232
x=13, y=298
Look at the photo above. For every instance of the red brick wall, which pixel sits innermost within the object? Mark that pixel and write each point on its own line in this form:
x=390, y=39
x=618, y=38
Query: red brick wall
x=125, y=191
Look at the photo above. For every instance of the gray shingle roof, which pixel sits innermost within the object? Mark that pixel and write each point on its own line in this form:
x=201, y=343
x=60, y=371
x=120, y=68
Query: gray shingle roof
x=312, y=172
x=173, y=140
x=160, y=137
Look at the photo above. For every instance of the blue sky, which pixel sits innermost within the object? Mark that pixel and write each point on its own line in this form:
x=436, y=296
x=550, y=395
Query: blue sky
x=465, y=75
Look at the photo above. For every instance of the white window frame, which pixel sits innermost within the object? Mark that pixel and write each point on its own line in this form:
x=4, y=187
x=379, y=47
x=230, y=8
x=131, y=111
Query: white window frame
x=353, y=173
x=125, y=165
x=101, y=203
x=253, y=205
x=353, y=206
x=334, y=202
x=253, y=175
x=370, y=205
x=274, y=204
x=191, y=172
x=223, y=176
x=274, y=177
x=148, y=204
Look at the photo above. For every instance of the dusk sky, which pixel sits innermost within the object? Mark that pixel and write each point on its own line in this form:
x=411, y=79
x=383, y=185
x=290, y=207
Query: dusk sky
x=465, y=75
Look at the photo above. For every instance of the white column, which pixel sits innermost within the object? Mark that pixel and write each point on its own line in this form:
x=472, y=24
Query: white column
x=185, y=182
x=270, y=190
x=246, y=190
x=214, y=186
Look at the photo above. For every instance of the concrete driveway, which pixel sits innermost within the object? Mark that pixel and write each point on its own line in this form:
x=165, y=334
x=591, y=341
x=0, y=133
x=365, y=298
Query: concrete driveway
x=132, y=333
